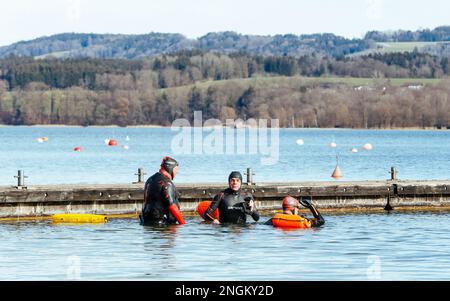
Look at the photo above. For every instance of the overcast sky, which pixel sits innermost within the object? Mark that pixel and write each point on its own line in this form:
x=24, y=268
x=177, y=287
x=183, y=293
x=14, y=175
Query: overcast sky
x=28, y=19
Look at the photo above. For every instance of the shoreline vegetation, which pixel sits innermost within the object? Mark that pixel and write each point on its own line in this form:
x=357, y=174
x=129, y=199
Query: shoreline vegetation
x=212, y=127
x=377, y=91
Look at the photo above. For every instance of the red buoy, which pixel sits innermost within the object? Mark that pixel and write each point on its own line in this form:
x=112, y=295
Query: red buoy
x=77, y=149
x=112, y=142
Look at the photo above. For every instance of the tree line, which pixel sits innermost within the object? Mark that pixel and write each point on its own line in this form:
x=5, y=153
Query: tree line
x=136, y=47
x=439, y=34
x=294, y=101
x=190, y=67
x=120, y=46
x=239, y=85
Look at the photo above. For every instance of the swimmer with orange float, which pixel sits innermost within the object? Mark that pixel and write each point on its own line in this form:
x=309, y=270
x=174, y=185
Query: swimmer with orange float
x=161, y=205
x=290, y=217
x=231, y=205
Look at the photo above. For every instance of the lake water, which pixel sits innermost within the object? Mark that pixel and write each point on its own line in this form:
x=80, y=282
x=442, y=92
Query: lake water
x=416, y=154
x=390, y=246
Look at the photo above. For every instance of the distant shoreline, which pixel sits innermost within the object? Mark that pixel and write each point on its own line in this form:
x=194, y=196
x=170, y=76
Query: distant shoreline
x=81, y=126
x=160, y=126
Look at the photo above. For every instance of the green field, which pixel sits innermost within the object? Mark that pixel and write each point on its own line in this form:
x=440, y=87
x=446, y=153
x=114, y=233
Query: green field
x=60, y=54
x=280, y=81
x=405, y=46
x=392, y=47
x=353, y=81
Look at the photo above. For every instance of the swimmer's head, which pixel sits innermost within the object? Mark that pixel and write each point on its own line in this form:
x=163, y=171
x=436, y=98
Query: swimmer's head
x=235, y=180
x=290, y=205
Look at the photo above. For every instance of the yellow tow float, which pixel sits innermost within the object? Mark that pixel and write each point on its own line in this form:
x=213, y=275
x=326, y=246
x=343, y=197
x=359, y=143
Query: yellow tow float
x=79, y=218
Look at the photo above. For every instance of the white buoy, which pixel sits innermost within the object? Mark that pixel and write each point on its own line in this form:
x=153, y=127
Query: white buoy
x=127, y=138
x=354, y=150
x=40, y=140
x=333, y=144
x=107, y=141
x=368, y=147
x=125, y=147
x=300, y=142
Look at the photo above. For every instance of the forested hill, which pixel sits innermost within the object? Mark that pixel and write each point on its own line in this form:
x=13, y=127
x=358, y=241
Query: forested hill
x=373, y=91
x=304, y=81
x=439, y=34
x=138, y=46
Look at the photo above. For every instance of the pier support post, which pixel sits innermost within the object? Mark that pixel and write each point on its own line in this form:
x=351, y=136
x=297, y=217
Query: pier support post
x=250, y=175
x=394, y=194
x=20, y=179
x=140, y=175
x=393, y=174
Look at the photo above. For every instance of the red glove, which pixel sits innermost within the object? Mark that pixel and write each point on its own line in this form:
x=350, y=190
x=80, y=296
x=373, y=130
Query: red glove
x=177, y=214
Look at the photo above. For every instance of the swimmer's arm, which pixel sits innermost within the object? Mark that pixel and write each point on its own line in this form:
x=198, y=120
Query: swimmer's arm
x=170, y=197
x=209, y=213
x=255, y=215
x=318, y=220
x=269, y=222
x=253, y=212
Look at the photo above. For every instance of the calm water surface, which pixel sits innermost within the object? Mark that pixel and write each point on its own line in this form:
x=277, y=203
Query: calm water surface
x=394, y=246
x=416, y=154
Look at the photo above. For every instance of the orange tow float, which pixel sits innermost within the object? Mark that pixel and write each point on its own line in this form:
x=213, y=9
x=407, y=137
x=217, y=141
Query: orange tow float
x=203, y=206
x=290, y=221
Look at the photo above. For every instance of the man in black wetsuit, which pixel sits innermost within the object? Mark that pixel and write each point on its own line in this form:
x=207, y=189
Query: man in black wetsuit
x=161, y=205
x=233, y=204
x=291, y=206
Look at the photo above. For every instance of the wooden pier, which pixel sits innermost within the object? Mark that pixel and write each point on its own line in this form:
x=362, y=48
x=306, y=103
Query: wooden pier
x=127, y=199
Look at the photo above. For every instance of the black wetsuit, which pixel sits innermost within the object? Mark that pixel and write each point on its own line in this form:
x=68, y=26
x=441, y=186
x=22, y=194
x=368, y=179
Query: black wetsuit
x=232, y=207
x=159, y=194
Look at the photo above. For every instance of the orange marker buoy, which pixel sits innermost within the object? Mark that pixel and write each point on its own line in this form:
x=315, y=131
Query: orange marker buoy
x=337, y=174
x=112, y=142
x=77, y=149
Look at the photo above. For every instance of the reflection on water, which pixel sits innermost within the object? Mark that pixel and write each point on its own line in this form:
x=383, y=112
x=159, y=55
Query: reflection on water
x=396, y=246
x=161, y=240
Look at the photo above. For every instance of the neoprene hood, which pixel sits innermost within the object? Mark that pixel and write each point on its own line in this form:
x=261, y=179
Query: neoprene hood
x=235, y=175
